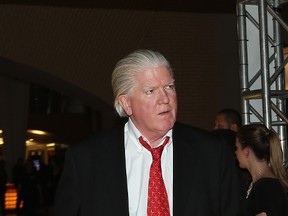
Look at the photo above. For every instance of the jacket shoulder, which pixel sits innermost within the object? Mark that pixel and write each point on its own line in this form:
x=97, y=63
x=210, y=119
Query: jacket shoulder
x=100, y=139
x=191, y=131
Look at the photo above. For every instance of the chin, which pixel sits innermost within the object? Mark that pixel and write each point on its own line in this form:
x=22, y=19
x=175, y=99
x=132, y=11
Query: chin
x=168, y=125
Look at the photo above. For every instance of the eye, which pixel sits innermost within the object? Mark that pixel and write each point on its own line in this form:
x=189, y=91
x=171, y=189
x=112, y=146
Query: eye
x=170, y=87
x=149, y=92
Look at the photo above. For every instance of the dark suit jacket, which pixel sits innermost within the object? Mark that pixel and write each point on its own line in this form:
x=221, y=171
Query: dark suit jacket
x=94, y=181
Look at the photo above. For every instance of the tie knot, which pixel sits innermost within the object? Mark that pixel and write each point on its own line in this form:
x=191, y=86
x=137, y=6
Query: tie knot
x=156, y=152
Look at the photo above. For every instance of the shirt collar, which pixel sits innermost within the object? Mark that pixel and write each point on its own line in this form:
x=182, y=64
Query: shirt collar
x=133, y=131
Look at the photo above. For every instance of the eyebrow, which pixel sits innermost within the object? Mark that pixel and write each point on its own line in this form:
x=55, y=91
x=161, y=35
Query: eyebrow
x=172, y=82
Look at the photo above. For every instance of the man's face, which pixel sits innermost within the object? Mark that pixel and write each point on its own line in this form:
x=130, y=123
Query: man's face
x=220, y=122
x=152, y=103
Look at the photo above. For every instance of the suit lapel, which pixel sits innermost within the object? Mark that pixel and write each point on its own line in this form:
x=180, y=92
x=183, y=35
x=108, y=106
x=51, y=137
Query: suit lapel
x=182, y=169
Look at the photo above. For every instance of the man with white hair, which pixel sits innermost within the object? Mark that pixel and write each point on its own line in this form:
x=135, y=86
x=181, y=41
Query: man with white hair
x=151, y=165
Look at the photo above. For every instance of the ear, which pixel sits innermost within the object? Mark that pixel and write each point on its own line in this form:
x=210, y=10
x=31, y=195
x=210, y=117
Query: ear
x=246, y=151
x=124, y=101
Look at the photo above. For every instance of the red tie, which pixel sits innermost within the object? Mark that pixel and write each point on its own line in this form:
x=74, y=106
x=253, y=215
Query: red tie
x=158, y=204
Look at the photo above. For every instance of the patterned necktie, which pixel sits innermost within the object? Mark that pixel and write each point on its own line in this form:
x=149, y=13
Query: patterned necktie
x=158, y=204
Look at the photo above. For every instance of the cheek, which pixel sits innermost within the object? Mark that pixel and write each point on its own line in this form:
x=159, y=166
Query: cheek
x=238, y=154
x=141, y=107
x=173, y=99
x=241, y=157
x=173, y=103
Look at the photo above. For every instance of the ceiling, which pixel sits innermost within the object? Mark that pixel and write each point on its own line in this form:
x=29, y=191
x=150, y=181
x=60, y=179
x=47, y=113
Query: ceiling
x=208, y=6
x=211, y=6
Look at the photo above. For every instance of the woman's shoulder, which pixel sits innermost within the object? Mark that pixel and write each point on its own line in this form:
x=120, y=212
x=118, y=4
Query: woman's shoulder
x=267, y=182
x=269, y=186
x=268, y=195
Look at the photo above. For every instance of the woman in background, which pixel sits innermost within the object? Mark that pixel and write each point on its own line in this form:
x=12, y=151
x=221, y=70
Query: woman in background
x=258, y=150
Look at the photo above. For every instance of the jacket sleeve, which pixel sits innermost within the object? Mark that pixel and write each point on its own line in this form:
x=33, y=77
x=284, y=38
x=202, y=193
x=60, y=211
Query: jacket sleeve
x=229, y=184
x=66, y=200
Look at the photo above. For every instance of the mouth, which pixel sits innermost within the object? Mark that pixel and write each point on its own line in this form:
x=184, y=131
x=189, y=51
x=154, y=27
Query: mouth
x=164, y=113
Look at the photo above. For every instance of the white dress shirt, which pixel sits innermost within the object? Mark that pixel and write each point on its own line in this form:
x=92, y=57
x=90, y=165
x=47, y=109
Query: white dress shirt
x=138, y=162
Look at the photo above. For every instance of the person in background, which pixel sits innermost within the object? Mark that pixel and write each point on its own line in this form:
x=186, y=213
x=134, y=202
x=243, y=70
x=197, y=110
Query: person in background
x=227, y=123
x=243, y=175
x=259, y=151
x=3, y=181
x=151, y=164
x=30, y=190
x=55, y=170
x=18, y=176
x=228, y=119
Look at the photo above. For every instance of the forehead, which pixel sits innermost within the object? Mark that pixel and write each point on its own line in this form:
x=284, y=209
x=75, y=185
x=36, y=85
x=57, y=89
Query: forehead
x=220, y=116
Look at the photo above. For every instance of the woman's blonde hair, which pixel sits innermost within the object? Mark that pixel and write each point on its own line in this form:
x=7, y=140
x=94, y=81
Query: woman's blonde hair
x=266, y=146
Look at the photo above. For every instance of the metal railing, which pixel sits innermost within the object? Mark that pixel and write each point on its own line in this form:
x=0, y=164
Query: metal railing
x=262, y=66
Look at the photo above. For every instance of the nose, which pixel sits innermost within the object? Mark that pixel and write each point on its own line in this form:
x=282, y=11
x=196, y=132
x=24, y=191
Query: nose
x=164, y=97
